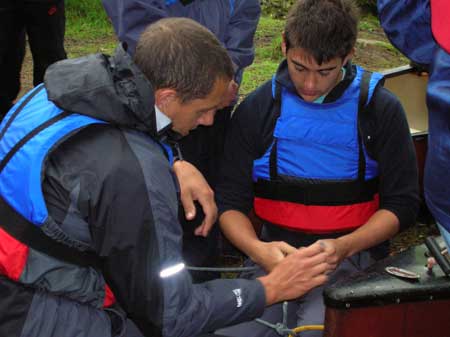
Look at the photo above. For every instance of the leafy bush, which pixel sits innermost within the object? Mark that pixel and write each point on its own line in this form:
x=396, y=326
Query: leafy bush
x=276, y=8
x=368, y=6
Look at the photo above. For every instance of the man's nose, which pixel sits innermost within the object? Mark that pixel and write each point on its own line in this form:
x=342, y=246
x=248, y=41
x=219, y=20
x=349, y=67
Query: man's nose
x=207, y=118
x=310, y=81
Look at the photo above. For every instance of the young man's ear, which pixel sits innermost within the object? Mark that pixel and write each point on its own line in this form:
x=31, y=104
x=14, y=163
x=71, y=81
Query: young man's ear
x=349, y=56
x=164, y=97
x=283, y=44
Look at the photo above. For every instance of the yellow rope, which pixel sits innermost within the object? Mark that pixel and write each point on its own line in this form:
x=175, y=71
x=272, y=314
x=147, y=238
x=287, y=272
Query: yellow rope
x=306, y=328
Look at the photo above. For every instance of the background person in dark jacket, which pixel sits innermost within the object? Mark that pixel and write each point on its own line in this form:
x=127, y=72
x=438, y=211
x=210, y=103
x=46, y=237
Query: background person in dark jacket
x=43, y=22
x=88, y=178
x=420, y=30
x=234, y=23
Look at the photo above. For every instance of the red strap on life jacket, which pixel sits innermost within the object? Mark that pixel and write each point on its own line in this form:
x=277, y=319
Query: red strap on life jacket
x=13, y=259
x=315, y=219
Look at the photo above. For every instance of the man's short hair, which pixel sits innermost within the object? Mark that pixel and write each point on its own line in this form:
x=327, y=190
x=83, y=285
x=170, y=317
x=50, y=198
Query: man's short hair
x=180, y=54
x=324, y=28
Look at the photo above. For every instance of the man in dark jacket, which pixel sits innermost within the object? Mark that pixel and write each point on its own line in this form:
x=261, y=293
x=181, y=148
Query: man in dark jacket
x=322, y=152
x=43, y=21
x=89, y=236
x=420, y=30
x=234, y=23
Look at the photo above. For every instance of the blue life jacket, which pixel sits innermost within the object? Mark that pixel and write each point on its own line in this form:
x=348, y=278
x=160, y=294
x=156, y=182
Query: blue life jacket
x=316, y=176
x=28, y=133
x=39, y=126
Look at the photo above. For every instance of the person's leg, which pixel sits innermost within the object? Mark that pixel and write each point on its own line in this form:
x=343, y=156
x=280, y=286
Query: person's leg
x=199, y=251
x=12, y=52
x=272, y=314
x=311, y=309
x=203, y=148
x=45, y=28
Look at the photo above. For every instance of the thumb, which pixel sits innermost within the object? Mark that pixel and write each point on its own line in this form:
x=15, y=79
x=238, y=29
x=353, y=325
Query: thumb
x=286, y=248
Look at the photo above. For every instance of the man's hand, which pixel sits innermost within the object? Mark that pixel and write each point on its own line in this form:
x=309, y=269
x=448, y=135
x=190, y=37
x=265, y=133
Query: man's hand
x=296, y=274
x=193, y=187
x=269, y=254
x=231, y=94
x=337, y=250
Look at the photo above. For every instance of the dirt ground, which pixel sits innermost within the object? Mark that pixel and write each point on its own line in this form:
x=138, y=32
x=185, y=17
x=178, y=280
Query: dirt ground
x=373, y=52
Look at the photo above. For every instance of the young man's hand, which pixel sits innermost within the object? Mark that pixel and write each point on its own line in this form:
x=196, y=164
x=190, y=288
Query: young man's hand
x=297, y=274
x=193, y=187
x=269, y=254
x=336, y=249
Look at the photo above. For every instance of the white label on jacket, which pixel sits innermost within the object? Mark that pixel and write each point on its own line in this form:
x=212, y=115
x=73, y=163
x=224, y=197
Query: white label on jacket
x=237, y=293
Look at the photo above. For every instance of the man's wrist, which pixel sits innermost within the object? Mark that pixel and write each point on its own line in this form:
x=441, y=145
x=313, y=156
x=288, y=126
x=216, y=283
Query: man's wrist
x=253, y=250
x=269, y=289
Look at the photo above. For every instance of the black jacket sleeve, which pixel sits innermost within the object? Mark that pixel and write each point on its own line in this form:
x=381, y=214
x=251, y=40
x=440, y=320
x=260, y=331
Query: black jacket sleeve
x=388, y=140
x=249, y=135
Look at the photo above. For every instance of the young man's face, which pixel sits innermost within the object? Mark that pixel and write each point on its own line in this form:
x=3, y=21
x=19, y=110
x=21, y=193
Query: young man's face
x=186, y=116
x=310, y=79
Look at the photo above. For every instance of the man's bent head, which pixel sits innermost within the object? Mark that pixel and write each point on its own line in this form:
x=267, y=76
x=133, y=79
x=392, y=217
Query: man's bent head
x=188, y=68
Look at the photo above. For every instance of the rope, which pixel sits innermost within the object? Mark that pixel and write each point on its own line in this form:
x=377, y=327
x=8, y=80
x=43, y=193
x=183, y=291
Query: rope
x=223, y=269
x=306, y=328
x=282, y=328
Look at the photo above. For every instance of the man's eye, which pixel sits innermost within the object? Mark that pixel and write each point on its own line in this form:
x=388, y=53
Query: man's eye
x=299, y=69
x=324, y=73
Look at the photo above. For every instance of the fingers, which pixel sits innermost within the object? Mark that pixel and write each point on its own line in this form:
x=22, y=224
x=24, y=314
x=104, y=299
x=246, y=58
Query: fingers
x=188, y=205
x=318, y=280
x=285, y=248
x=314, y=249
x=209, y=207
x=320, y=268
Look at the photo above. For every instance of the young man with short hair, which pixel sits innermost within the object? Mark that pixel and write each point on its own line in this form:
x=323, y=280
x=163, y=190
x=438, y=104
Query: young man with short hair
x=321, y=152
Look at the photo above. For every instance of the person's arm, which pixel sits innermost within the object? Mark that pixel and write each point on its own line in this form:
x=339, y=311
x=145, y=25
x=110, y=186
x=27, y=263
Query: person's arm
x=250, y=133
x=239, y=230
x=399, y=191
x=134, y=228
x=381, y=226
x=131, y=17
x=240, y=33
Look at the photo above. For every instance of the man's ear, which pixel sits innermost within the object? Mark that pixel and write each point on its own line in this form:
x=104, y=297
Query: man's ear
x=163, y=98
x=349, y=56
x=283, y=44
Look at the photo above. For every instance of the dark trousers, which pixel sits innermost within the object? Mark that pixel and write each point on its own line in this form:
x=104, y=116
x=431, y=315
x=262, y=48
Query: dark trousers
x=44, y=24
x=203, y=148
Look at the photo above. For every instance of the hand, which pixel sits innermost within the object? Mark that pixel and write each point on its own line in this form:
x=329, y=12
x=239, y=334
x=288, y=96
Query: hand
x=336, y=249
x=231, y=94
x=269, y=254
x=193, y=186
x=297, y=274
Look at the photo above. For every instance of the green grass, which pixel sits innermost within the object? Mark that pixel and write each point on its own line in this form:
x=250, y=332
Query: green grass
x=88, y=29
x=267, y=56
x=369, y=23
x=86, y=20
